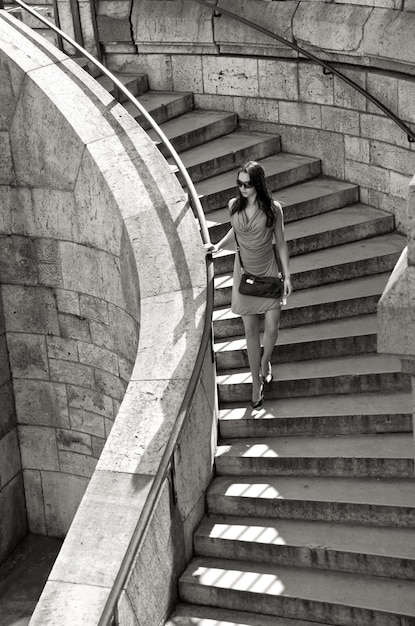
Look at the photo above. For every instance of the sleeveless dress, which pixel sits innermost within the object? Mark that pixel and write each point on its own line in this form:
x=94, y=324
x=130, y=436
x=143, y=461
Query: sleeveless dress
x=258, y=258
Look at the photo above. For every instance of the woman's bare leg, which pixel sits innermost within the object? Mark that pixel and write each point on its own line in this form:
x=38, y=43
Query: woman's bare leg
x=272, y=324
x=253, y=345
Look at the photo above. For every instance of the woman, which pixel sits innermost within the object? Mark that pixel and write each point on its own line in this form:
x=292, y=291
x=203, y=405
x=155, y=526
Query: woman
x=257, y=219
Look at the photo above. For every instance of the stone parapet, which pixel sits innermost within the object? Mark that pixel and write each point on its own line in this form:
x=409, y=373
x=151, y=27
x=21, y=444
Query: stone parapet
x=396, y=308
x=103, y=282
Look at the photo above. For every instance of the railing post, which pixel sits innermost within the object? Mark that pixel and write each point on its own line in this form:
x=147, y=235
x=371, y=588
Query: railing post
x=1, y=4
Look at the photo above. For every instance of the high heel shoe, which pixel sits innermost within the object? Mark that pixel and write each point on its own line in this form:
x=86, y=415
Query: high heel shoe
x=270, y=376
x=258, y=403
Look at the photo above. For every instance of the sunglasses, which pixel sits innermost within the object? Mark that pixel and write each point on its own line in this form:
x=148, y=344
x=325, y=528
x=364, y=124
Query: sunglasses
x=244, y=185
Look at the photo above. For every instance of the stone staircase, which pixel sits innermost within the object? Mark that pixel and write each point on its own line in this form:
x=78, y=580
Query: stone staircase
x=311, y=514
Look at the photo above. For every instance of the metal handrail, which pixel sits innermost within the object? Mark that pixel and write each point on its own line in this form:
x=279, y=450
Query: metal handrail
x=109, y=612
x=328, y=67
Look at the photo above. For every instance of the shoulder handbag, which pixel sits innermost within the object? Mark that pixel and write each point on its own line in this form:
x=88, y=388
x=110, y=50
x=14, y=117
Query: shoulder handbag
x=261, y=286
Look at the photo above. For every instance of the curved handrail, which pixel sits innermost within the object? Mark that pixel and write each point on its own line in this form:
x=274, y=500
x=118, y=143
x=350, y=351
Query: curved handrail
x=327, y=66
x=110, y=609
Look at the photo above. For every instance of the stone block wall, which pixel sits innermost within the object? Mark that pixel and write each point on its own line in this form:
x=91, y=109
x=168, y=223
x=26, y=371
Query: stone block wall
x=13, y=524
x=229, y=66
x=68, y=281
x=104, y=281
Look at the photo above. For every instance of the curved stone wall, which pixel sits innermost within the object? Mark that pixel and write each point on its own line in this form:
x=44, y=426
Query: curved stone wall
x=104, y=288
x=230, y=66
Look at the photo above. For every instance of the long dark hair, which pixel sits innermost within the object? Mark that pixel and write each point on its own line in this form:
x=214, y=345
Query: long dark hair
x=256, y=175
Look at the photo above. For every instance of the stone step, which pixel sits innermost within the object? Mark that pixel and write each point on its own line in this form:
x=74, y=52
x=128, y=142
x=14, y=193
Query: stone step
x=197, y=615
x=353, y=335
x=319, y=377
x=334, y=228
x=352, y=260
x=320, y=415
x=341, y=226
x=137, y=84
x=227, y=153
x=319, y=595
x=381, y=456
x=194, y=128
x=367, y=501
x=381, y=551
x=281, y=170
x=314, y=197
x=358, y=296
x=162, y=106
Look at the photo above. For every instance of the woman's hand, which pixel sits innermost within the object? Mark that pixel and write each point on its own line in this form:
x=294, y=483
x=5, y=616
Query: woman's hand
x=288, y=288
x=210, y=248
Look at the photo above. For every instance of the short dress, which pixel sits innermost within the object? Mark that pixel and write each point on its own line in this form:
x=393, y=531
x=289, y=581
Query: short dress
x=255, y=243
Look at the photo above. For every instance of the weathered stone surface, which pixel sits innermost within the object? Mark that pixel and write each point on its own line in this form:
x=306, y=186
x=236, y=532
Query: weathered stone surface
x=143, y=425
x=97, y=213
x=389, y=34
x=34, y=502
x=88, y=400
x=278, y=80
x=102, y=279
x=38, y=447
x=28, y=355
x=76, y=463
x=368, y=176
x=6, y=163
x=236, y=79
x=10, y=85
x=193, y=457
x=396, y=312
x=41, y=403
x=113, y=21
x=93, y=308
x=124, y=332
x=233, y=36
x=46, y=212
x=7, y=410
x=257, y=109
x=187, y=73
x=59, y=511
x=13, y=525
x=89, y=354
x=60, y=348
x=357, y=149
x=10, y=464
x=88, y=422
x=165, y=26
x=17, y=261
x=67, y=301
x=161, y=558
x=74, y=327
x=392, y=157
x=30, y=309
x=8, y=201
x=330, y=26
x=385, y=89
x=68, y=604
x=109, y=384
x=96, y=560
x=72, y=373
x=314, y=85
x=406, y=95
x=300, y=114
x=347, y=96
x=340, y=120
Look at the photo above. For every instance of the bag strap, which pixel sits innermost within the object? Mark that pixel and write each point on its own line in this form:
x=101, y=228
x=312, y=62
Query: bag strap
x=274, y=247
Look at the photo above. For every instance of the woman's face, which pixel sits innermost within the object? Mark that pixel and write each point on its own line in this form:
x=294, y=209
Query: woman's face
x=245, y=186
